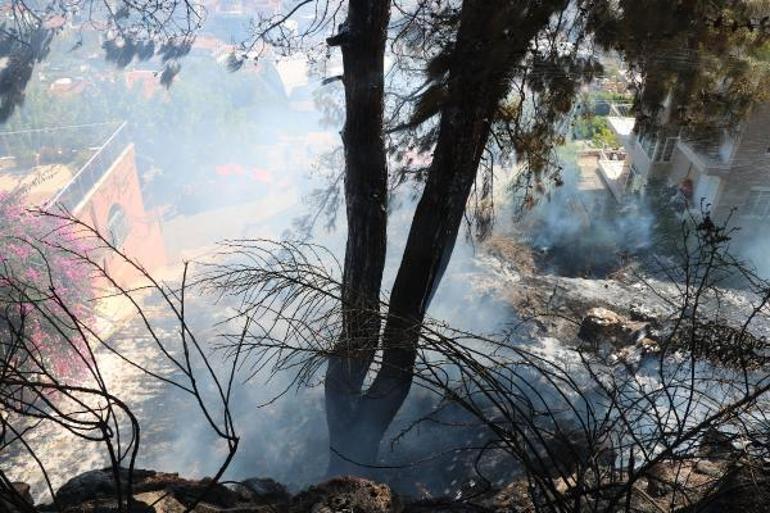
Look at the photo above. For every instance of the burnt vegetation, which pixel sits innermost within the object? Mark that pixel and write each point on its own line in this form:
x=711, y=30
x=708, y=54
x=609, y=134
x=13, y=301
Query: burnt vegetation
x=579, y=433
x=473, y=85
x=584, y=434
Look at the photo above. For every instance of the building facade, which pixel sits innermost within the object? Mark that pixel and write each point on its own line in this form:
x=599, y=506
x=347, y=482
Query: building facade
x=106, y=194
x=727, y=172
x=103, y=192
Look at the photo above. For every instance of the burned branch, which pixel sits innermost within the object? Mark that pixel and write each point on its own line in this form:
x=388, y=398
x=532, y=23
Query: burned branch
x=587, y=433
x=35, y=392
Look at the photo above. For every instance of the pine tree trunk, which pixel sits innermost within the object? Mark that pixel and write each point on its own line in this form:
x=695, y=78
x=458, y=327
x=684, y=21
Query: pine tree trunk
x=479, y=79
x=431, y=240
x=362, y=39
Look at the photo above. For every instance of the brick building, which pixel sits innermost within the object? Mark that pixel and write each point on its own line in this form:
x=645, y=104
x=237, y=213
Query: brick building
x=104, y=192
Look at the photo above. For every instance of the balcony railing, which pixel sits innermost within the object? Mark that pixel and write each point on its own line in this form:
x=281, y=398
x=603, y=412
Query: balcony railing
x=73, y=194
x=707, y=164
x=620, y=110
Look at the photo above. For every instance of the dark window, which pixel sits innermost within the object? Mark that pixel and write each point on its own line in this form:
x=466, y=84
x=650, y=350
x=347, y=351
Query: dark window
x=117, y=225
x=668, y=150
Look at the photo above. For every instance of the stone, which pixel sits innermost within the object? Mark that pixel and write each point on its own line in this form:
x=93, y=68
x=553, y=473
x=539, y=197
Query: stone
x=743, y=488
x=601, y=325
x=630, y=356
x=263, y=491
x=90, y=485
x=565, y=484
x=161, y=502
x=23, y=489
x=347, y=495
x=23, y=494
x=109, y=506
x=659, y=481
x=648, y=345
x=157, y=492
x=709, y=468
x=642, y=313
x=716, y=445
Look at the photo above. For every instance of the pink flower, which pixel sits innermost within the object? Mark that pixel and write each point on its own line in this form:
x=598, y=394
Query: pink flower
x=29, y=260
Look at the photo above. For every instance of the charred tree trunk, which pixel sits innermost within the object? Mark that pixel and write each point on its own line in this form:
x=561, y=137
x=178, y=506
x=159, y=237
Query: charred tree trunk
x=362, y=39
x=492, y=38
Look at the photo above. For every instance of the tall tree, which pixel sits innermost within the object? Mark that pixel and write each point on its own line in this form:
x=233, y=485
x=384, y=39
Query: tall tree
x=482, y=50
x=501, y=75
x=492, y=38
x=362, y=39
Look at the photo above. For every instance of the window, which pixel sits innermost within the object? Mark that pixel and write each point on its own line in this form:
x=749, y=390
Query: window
x=668, y=150
x=758, y=204
x=117, y=225
x=649, y=143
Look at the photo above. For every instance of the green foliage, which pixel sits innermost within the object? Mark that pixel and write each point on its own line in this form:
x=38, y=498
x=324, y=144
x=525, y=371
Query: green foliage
x=597, y=130
x=710, y=58
x=598, y=102
x=604, y=137
x=610, y=96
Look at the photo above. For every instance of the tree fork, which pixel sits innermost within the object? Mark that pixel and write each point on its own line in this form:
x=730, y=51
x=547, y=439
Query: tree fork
x=485, y=56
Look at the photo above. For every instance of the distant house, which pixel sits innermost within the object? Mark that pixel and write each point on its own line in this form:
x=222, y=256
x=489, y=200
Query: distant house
x=99, y=186
x=726, y=170
x=68, y=86
x=145, y=81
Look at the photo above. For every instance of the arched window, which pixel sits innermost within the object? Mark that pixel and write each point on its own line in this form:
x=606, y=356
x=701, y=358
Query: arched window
x=117, y=225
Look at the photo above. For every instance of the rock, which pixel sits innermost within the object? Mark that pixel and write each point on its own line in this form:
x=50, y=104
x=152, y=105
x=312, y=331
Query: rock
x=157, y=492
x=514, y=497
x=648, y=345
x=564, y=485
x=263, y=491
x=23, y=496
x=110, y=506
x=89, y=485
x=601, y=325
x=23, y=489
x=630, y=356
x=99, y=484
x=642, y=313
x=659, y=480
x=744, y=488
x=709, y=468
x=161, y=502
x=347, y=495
x=567, y=451
x=716, y=445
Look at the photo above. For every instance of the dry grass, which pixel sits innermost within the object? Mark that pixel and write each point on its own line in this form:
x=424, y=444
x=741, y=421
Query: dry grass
x=512, y=251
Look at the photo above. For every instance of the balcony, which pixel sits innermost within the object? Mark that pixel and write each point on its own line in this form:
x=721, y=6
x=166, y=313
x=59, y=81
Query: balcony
x=623, y=127
x=613, y=170
x=707, y=161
